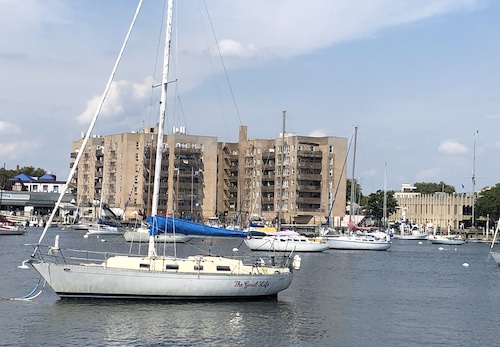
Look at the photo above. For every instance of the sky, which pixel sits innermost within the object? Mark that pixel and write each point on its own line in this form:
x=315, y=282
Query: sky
x=419, y=79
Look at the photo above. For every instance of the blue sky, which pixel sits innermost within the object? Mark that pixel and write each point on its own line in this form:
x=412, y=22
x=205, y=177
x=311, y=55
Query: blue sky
x=417, y=78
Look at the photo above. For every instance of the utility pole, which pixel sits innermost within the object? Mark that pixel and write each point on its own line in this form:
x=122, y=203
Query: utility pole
x=474, y=181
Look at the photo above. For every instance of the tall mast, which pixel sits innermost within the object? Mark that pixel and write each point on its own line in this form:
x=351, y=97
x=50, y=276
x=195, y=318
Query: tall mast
x=353, y=171
x=161, y=122
x=278, y=224
x=474, y=179
x=385, y=197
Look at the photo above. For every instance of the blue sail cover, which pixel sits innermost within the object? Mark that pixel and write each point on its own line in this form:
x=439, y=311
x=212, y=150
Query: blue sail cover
x=183, y=226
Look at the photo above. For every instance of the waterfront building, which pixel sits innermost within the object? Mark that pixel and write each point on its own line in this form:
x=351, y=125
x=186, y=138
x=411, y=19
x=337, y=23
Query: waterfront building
x=117, y=171
x=35, y=197
x=434, y=210
x=294, y=176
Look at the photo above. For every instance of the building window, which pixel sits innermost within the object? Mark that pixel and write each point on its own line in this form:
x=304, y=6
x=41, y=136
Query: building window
x=45, y=188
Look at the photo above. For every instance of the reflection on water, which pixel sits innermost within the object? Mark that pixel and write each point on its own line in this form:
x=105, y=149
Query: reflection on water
x=119, y=323
x=411, y=295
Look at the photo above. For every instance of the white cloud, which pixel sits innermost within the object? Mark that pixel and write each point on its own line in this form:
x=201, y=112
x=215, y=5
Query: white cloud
x=15, y=150
x=233, y=48
x=427, y=174
x=317, y=133
x=123, y=96
x=290, y=27
x=25, y=17
x=9, y=128
x=452, y=147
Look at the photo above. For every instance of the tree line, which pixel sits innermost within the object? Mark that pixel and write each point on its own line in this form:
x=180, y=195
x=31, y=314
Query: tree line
x=5, y=174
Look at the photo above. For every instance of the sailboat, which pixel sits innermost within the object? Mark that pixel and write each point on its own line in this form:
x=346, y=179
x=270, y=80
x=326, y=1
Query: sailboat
x=141, y=234
x=8, y=227
x=358, y=238
x=85, y=274
x=278, y=240
x=102, y=227
x=495, y=254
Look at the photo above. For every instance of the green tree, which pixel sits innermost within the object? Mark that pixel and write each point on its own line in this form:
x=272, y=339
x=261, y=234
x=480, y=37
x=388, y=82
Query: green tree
x=31, y=171
x=488, y=203
x=375, y=204
x=431, y=188
x=6, y=174
x=357, y=191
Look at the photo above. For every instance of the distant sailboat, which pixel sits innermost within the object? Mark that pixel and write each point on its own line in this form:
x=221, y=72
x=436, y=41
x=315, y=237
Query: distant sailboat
x=358, y=238
x=495, y=254
x=278, y=240
x=85, y=274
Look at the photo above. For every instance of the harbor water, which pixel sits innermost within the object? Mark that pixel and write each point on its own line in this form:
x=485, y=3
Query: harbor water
x=414, y=294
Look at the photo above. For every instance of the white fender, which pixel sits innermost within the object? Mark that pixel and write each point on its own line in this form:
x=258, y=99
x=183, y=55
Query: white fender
x=296, y=262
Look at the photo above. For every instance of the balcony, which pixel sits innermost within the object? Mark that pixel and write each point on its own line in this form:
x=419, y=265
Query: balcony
x=308, y=188
x=309, y=177
x=309, y=200
x=267, y=188
x=309, y=154
x=309, y=165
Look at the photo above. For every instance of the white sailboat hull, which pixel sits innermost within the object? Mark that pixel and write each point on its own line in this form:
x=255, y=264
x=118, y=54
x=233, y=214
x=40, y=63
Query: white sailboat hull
x=103, y=230
x=446, y=241
x=422, y=236
x=496, y=257
x=102, y=281
x=358, y=243
x=280, y=244
x=141, y=235
x=12, y=231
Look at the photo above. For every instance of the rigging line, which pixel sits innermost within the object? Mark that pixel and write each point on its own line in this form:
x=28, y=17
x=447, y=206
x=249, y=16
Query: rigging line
x=365, y=160
x=222, y=62
x=89, y=131
x=157, y=55
x=338, y=183
x=215, y=79
x=181, y=110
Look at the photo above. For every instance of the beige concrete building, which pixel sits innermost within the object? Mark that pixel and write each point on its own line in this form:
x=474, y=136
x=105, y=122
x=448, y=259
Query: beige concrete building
x=295, y=177
x=118, y=170
x=436, y=210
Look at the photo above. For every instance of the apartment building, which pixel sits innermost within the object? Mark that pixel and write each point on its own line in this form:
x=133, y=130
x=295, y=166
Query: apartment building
x=294, y=178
